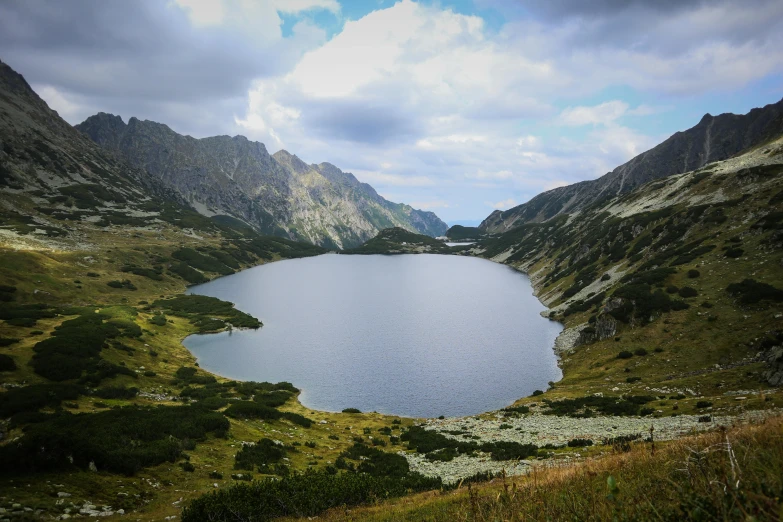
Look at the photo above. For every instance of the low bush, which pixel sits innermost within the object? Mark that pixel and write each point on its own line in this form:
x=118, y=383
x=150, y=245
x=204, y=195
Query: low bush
x=258, y=455
x=625, y=354
x=273, y=399
x=24, y=322
x=376, y=462
x=7, y=363
x=621, y=442
x=642, y=305
x=199, y=308
x=641, y=352
x=213, y=403
x=579, y=443
x=703, y=404
x=200, y=261
x=9, y=312
x=36, y=396
x=74, y=347
x=303, y=495
x=632, y=379
x=149, y=273
x=191, y=275
x=254, y=410
x=442, y=455
x=427, y=441
x=351, y=410
x=158, y=320
x=251, y=410
x=116, y=392
x=693, y=273
x=687, y=291
x=98, y=369
x=750, y=291
x=248, y=388
x=517, y=409
x=301, y=420
x=125, y=283
x=158, y=434
x=617, y=406
x=188, y=375
x=7, y=341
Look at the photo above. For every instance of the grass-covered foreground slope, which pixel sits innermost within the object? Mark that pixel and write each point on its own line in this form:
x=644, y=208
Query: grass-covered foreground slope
x=727, y=475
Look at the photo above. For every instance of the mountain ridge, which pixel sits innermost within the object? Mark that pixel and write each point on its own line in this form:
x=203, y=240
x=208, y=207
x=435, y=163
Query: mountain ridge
x=714, y=138
x=274, y=193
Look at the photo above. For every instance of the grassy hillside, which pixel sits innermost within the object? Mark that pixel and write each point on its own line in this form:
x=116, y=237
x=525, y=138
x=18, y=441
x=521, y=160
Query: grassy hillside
x=460, y=233
x=93, y=370
x=400, y=241
x=674, y=288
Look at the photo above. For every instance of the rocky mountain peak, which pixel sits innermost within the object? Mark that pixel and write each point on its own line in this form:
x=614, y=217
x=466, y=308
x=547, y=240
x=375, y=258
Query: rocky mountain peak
x=13, y=81
x=287, y=159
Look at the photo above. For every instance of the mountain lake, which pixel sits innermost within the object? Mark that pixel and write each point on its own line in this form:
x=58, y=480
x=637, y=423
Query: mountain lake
x=413, y=335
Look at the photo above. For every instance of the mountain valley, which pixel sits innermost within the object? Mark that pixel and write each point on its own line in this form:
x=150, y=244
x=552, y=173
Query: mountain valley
x=667, y=274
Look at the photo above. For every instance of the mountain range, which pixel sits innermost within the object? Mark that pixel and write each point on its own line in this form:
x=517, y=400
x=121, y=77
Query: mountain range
x=275, y=194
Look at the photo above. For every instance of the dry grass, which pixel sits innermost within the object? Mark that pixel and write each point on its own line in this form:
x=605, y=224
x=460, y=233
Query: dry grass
x=729, y=474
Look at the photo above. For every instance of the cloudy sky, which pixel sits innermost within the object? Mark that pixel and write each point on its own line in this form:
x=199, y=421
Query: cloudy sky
x=459, y=107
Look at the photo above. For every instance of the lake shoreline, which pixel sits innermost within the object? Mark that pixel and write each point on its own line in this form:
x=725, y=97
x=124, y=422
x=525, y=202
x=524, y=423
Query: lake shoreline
x=529, y=337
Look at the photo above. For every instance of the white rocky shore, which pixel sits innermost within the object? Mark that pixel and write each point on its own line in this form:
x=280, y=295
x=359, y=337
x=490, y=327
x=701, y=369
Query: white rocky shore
x=542, y=429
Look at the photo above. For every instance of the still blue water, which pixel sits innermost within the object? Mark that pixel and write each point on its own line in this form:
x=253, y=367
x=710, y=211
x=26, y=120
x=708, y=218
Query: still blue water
x=414, y=335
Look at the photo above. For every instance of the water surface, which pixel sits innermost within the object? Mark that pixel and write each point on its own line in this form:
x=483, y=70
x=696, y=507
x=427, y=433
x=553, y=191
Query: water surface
x=415, y=335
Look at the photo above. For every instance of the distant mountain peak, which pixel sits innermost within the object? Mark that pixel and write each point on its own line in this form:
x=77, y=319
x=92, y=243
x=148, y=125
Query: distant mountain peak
x=291, y=160
x=12, y=80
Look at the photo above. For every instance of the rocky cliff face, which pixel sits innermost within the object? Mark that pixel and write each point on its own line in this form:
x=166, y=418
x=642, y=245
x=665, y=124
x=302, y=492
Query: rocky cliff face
x=275, y=194
x=714, y=138
x=42, y=155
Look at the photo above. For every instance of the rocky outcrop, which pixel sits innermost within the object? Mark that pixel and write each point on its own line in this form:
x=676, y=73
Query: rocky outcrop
x=41, y=153
x=604, y=327
x=773, y=373
x=275, y=194
x=714, y=138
